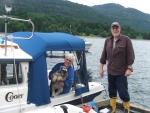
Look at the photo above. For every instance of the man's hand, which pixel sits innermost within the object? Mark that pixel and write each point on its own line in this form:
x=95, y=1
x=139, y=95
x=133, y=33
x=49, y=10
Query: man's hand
x=128, y=72
x=101, y=72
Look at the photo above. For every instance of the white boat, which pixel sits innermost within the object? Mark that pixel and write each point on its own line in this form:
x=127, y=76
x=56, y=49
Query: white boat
x=24, y=83
x=87, y=45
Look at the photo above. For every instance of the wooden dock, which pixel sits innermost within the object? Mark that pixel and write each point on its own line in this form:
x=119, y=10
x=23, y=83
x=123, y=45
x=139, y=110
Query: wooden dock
x=101, y=104
x=133, y=108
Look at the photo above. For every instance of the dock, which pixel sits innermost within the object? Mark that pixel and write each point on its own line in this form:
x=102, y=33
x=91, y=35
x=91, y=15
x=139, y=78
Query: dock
x=133, y=108
x=102, y=104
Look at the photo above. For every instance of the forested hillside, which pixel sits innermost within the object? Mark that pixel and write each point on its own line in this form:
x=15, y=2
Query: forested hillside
x=59, y=7
x=128, y=16
x=65, y=16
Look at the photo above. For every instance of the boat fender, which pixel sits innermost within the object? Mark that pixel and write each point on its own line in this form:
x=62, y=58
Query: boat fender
x=64, y=108
x=86, y=108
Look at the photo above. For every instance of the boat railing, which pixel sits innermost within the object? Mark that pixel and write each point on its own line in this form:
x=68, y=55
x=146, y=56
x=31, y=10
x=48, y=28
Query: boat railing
x=7, y=18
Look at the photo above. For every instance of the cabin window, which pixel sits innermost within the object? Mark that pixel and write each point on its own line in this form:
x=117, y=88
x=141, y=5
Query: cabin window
x=10, y=73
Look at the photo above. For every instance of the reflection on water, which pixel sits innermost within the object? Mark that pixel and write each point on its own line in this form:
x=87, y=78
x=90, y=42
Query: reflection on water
x=139, y=81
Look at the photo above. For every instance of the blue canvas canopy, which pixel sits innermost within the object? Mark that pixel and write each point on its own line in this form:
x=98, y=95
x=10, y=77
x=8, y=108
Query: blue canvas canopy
x=38, y=87
x=42, y=42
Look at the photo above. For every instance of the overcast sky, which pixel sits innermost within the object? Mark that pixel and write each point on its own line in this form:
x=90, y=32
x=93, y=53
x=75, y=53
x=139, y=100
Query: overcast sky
x=141, y=5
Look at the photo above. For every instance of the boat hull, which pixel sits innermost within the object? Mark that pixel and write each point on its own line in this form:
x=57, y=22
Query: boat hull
x=96, y=93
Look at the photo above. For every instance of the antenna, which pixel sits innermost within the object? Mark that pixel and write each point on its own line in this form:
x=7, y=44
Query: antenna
x=70, y=29
x=8, y=8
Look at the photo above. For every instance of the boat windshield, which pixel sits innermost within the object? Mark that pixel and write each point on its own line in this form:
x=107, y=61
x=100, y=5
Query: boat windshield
x=54, y=57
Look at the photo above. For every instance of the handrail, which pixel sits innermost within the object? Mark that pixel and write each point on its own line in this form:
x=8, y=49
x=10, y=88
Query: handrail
x=7, y=18
x=17, y=19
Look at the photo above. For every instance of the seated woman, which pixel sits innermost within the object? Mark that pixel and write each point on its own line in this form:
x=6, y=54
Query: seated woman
x=67, y=84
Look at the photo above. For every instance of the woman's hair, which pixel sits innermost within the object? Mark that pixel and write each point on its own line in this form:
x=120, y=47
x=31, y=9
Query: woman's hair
x=70, y=55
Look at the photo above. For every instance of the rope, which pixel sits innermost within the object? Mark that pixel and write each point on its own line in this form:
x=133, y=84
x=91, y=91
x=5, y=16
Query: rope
x=15, y=73
x=105, y=90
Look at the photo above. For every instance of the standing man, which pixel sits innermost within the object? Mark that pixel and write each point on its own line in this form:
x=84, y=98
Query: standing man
x=119, y=54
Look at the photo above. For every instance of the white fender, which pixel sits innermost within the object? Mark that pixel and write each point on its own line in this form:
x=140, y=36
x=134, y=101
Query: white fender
x=74, y=109
x=70, y=108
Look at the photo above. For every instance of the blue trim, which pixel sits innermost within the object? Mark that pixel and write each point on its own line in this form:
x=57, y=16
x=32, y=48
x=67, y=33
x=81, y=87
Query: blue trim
x=79, y=91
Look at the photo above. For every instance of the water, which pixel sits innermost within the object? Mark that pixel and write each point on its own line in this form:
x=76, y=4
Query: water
x=138, y=82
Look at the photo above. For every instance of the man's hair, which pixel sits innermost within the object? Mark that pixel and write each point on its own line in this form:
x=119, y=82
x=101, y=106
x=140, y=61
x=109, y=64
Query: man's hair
x=70, y=55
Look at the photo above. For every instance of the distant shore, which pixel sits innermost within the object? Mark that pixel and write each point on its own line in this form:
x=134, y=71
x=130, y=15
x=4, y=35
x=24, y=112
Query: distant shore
x=89, y=37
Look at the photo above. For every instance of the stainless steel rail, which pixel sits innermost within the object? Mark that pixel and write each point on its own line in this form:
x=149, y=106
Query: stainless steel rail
x=7, y=18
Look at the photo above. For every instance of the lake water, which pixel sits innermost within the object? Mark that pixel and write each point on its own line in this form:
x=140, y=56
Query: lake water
x=138, y=82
